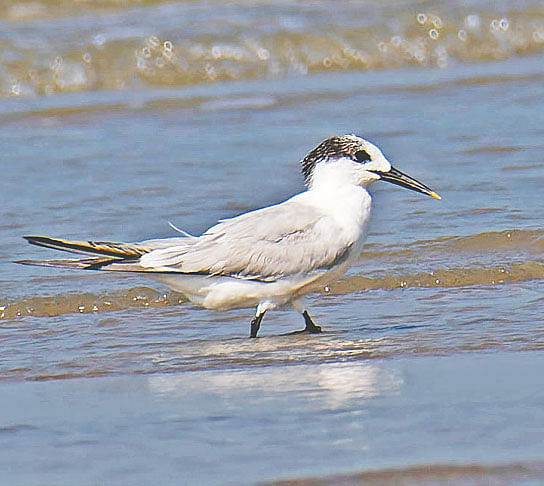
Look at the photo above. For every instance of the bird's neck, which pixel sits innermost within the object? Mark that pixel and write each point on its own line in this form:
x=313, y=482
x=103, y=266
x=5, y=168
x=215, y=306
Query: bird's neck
x=337, y=182
x=336, y=193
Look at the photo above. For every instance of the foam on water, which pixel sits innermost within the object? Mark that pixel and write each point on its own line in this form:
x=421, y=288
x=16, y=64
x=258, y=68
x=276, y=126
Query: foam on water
x=87, y=46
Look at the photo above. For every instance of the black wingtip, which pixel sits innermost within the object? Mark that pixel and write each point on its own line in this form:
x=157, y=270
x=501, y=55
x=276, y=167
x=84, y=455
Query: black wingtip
x=35, y=239
x=44, y=241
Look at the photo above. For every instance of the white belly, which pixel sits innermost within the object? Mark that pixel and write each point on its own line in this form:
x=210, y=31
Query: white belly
x=223, y=293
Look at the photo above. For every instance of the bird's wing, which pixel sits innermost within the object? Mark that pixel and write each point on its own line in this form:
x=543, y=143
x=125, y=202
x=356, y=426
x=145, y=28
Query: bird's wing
x=268, y=243
x=104, y=248
x=102, y=255
x=289, y=238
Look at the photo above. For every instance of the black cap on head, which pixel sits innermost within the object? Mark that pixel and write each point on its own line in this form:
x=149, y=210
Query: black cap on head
x=334, y=147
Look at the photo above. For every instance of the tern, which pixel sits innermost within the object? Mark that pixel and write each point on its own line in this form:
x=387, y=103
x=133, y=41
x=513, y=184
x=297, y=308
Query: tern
x=269, y=257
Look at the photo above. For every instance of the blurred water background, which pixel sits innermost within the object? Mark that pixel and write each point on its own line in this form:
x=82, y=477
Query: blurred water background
x=117, y=117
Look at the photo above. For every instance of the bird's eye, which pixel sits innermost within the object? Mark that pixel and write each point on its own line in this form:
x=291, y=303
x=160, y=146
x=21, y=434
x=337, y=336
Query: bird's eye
x=362, y=156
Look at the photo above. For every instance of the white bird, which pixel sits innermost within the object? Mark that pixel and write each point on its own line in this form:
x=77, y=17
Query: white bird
x=270, y=257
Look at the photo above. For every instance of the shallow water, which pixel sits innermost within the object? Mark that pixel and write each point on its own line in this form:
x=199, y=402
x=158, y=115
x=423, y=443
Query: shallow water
x=106, y=147
x=238, y=427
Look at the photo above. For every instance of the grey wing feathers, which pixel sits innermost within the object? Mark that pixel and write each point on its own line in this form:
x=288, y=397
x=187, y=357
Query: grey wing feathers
x=266, y=244
x=262, y=244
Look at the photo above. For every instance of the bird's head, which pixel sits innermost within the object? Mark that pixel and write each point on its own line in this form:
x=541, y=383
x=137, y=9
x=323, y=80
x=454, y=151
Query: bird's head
x=355, y=160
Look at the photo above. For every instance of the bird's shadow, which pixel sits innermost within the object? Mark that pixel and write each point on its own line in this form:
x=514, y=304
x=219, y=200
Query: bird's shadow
x=398, y=327
x=303, y=332
x=332, y=332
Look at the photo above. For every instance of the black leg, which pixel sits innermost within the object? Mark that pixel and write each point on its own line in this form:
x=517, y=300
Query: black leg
x=255, y=325
x=310, y=326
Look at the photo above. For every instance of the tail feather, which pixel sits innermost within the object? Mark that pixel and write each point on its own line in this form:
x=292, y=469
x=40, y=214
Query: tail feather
x=105, y=255
x=123, y=251
x=95, y=263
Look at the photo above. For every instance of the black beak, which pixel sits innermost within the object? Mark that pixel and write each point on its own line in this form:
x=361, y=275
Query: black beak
x=395, y=176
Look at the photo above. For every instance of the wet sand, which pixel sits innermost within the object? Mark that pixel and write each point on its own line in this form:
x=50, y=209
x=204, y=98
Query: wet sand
x=512, y=474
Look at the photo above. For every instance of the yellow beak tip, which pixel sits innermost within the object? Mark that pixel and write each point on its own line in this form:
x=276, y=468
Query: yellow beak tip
x=435, y=195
